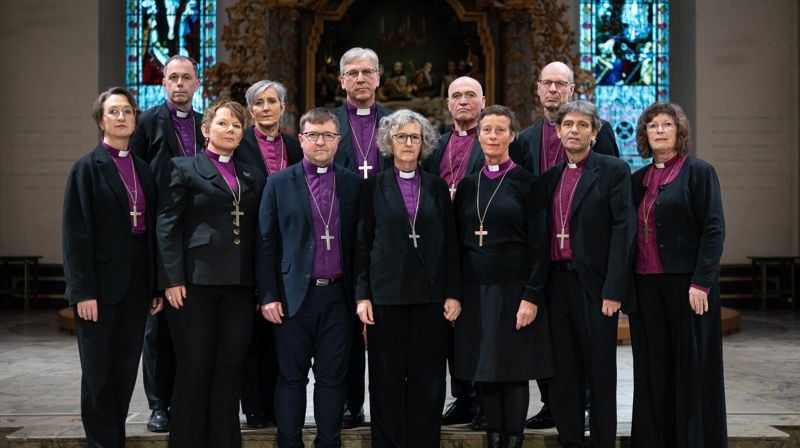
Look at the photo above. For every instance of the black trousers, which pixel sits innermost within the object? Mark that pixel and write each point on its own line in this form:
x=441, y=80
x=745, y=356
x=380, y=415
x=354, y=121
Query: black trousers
x=109, y=351
x=407, y=347
x=321, y=330
x=356, y=368
x=678, y=389
x=459, y=389
x=260, y=370
x=506, y=405
x=585, y=347
x=158, y=362
x=210, y=332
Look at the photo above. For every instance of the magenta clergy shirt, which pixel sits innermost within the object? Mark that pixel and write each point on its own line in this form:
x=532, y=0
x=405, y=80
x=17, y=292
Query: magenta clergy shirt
x=273, y=151
x=409, y=189
x=132, y=186
x=225, y=167
x=562, y=209
x=185, y=130
x=552, y=151
x=456, y=156
x=364, y=138
x=322, y=186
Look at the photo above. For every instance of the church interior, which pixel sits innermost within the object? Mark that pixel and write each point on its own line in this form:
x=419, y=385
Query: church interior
x=734, y=67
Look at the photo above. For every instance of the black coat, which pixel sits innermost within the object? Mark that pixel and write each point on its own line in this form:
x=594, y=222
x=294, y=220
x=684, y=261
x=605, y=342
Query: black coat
x=196, y=236
x=690, y=226
x=389, y=269
x=344, y=155
x=250, y=153
x=527, y=151
x=602, y=225
x=97, y=227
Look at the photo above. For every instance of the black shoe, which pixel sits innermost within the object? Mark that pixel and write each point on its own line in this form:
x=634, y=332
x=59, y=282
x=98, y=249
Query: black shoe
x=542, y=420
x=351, y=420
x=159, y=421
x=478, y=422
x=494, y=440
x=257, y=421
x=514, y=440
x=457, y=413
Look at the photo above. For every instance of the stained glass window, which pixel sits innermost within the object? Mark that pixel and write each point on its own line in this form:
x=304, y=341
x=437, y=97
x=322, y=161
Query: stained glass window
x=625, y=44
x=158, y=29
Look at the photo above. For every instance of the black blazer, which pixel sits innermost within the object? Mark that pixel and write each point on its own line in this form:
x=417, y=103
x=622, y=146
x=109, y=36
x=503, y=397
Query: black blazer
x=250, y=153
x=344, y=155
x=196, y=236
x=155, y=141
x=474, y=163
x=602, y=225
x=286, y=228
x=528, y=150
x=96, y=229
x=389, y=269
x=690, y=226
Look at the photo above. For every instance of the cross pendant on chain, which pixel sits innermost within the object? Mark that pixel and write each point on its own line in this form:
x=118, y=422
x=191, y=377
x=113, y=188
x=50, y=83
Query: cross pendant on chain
x=365, y=167
x=562, y=236
x=646, y=230
x=135, y=214
x=236, y=214
x=414, y=236
x=480, y=233
x=327, y=237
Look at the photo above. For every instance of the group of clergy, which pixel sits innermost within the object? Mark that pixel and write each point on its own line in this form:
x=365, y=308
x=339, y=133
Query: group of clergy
x=507, y=252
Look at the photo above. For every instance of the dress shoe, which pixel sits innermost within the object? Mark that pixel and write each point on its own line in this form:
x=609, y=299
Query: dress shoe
x=542, y=420
x=351, y=420
x=159, y=421
x=514, y=441
x=257, y=421
x=478, y=422
x=494, y=440
x=457, y=412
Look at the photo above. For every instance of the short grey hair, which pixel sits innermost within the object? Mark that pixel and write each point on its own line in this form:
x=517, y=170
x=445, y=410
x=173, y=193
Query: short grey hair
x=582, y=107
x=357, y=53
x=260, y=87
x=391, y=123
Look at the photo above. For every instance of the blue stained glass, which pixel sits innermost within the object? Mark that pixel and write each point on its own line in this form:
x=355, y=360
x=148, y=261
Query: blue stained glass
x=625, y=45
x=158, y=29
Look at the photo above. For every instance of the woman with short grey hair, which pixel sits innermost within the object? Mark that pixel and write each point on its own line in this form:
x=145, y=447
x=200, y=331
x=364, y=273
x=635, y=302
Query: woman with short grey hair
x=407, y=285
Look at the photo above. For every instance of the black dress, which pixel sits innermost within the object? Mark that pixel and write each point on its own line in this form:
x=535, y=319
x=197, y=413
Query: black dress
x=495, y=277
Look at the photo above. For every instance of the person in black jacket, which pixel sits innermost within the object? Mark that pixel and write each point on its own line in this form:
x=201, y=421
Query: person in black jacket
x=407, y=285
x=108, y=228
x=206, y=237
x=679, y=390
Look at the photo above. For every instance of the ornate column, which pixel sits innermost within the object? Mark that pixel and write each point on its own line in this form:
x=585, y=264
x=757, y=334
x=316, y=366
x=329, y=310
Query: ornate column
x=517, y=58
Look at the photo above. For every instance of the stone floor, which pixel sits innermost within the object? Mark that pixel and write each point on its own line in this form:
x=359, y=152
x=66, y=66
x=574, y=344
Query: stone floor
x=40, y=382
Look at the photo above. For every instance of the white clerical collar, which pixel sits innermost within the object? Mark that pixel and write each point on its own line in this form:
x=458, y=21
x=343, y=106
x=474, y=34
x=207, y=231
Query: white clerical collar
x=224, y=159
x=181, y=114
x=462, y=133
x=572, y=166
x=660, y=165
x=123, y=153
x=407, y=174
x=322, y=169
x=270, y=138
x=493, y=168
x=363, y=111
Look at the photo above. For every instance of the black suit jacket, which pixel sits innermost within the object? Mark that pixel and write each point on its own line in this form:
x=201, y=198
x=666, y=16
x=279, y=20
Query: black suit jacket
x=690, y=226
x=196, y=236
x=250, y=153
x=155, y=140
x=344, y=155
x=286, y=228
x=602, y=225
x=97, y=227
x=528, y=150
x=474, y=162
x=389, y=269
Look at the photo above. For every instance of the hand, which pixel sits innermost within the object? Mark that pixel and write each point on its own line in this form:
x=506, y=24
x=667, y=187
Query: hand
x=157, y=305
x=175, y=296
x=526, y=313
x=87, y=310
x=273, y=312
x=610, y=307
x=364, y=311
x=452, y=308
x=698, y=300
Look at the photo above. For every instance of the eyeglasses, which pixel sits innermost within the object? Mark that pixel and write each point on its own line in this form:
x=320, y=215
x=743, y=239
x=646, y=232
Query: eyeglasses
x=367, y=72
x=404, y=138
x=547, y=83
x=665, y=126
x=314, y=136
x=114, y=112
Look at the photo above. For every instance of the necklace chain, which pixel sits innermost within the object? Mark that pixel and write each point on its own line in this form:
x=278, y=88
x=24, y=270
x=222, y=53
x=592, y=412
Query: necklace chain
x=481, y=218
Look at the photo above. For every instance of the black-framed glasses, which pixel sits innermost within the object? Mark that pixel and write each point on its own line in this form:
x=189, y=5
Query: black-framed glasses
x=404, y=138
x=314, y=136
x=547, y=83
x=366, y=72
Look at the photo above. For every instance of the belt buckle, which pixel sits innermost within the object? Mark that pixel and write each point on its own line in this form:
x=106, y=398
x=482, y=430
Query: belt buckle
x=322, y=282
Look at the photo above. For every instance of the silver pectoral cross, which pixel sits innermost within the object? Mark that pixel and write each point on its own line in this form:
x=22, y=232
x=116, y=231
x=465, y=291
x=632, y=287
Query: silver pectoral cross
x=562, y=236
x=236, y=214
x=452, y=190
x=327, y=237
x=414, y=236
x=135, y=214
x=646, y=230
x=480, y=233
x=365, y=167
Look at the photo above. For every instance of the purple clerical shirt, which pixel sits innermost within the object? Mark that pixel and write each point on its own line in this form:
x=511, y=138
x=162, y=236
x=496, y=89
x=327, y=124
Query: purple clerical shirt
x=552, y=151
x=562, y=208
x=363, y=129
x=225, y=167
x=495, y=171
x=324, y=206
x=409, y=189
x=133, y=187
x=185, y=131
x=455, y=158
x=273, y=151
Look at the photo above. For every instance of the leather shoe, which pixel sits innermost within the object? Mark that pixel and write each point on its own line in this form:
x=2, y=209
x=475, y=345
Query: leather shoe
x=159, y=421
x=351, y=420
x=478, y=422
x=457, y=413
x=257, y=421
x=542, y=420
